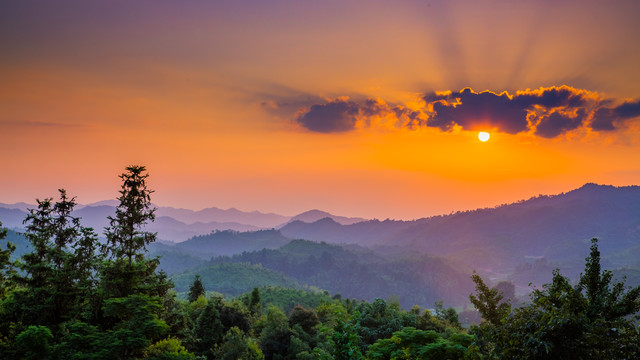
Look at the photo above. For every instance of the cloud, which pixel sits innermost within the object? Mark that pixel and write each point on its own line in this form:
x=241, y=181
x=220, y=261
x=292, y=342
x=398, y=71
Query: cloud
x=608, y=118
x=548, y=112
x=337, y=115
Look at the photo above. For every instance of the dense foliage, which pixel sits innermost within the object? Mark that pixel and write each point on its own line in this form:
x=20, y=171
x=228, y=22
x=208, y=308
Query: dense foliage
x=70, y=296
x=595, y=318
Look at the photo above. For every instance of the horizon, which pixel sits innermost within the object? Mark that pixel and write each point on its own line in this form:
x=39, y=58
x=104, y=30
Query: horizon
x=267, y=212
x=362, y=109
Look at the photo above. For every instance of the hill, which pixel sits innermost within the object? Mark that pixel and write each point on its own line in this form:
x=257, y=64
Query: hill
x=231, y=242
x=233, y=279
x=497, y=240
x=315, y=215
x=416, y=279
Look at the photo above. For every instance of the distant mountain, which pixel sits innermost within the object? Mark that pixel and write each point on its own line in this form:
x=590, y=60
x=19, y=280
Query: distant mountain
x=497, y=240
x=366, y=233
x=254, y=218
x=227, y=242
x=175, y=224
x=315, y=215
x=20, y=206
x=12, y=218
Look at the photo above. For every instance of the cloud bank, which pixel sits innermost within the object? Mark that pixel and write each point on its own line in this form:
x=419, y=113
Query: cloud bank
x=546, y=112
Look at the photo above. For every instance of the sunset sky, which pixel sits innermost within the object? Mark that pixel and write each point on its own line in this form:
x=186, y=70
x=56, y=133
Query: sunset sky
x=359, y=108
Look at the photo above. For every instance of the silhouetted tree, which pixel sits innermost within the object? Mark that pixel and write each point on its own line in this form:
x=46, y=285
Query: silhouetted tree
x=126, y=237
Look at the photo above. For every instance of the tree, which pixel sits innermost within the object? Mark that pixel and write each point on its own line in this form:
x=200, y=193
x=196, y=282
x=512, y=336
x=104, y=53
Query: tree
x=33, y=343
x=126, y=237
x=6, y=265
x=488, y=301
x=593, y=319
x=196, y=289
x=59, y=279
x=255, y=305
x=345, y=342
x=208, y=331
x=236, y=345
x=128, y=272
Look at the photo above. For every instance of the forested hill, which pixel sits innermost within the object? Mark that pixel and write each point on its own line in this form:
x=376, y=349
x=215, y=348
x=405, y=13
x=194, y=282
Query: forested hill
x=416, y=279
x=499, y=239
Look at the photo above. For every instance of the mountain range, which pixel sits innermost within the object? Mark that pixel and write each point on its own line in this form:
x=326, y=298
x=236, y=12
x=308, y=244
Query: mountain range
x=521, y=242
x=176, y=224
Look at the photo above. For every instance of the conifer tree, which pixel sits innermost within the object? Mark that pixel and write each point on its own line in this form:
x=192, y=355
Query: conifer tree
x=196, y=289
x=6, y=265
x=126, y=237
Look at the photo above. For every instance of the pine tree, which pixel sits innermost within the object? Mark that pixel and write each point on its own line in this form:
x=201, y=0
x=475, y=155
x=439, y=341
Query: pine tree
x=126, y=237
x=196, y=289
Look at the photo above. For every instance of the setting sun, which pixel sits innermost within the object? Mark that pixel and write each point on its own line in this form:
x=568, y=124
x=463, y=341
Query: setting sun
x=483, y=136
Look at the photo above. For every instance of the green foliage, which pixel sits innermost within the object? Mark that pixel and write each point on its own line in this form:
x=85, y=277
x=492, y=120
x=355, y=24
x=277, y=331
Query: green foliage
x=6, y=265
x=489, y=302
x=208, y=331
x=196, y=289
x=255, y=305
x=168, y=349
x=237, y=346
x=411, y=343
x=588, y=320
x=379, y=320
x=126, y=238
x=137, y=323
x=345, y=341
x=287, y=298
x=59, y=271
x=275, y=335
x=33, y=343
x=233, y=278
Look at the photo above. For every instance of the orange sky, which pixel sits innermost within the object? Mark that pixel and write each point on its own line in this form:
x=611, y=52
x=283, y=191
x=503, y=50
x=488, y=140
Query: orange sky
x=212, y=98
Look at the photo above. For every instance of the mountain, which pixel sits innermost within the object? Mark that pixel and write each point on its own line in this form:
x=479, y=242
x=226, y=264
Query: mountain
x=22, y=206
x=175, y=224
x=496, y=240
x=168, y=228
x=363, y=274
x=228, y=242
x=315, y=215
x=12, y=218
x=232, y=215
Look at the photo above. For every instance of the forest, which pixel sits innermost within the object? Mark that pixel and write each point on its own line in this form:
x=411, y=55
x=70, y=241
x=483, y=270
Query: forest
x=72, y=295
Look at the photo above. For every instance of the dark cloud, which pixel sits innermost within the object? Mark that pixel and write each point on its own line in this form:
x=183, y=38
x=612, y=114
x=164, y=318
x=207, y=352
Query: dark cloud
x=608, y=117
x=546, y=112
x=338, y=115
x=557, y=123
x=512, y=113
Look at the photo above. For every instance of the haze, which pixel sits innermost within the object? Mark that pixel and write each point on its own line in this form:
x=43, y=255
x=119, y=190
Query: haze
x=359, y=108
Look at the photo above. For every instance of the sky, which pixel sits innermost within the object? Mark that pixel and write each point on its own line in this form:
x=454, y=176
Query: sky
x=359, y=108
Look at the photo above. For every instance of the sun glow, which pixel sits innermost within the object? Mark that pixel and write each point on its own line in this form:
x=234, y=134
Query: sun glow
x=483, y=136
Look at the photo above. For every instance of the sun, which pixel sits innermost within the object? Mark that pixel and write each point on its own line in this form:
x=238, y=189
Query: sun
x=483, y=136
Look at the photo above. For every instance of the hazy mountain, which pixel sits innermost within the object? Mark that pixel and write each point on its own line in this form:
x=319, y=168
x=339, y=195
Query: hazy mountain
x=12, y=218
x=364, y=233
x=22, y=206
x=315, y=215
x=173, y=224
x=254, y=218
x=231, y=242
x=557, y=228
x=417, y=279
